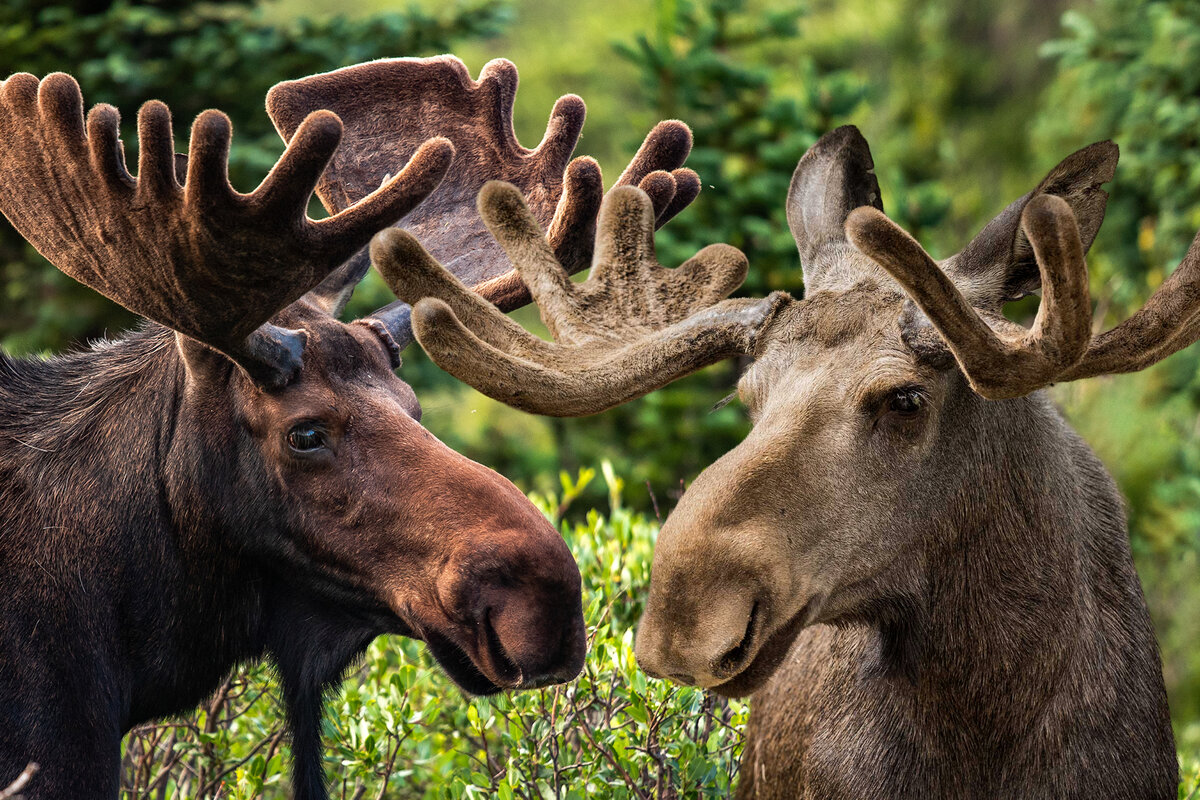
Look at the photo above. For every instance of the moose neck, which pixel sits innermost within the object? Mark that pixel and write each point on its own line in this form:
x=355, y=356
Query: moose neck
x=1031, y=598
x=103, y=488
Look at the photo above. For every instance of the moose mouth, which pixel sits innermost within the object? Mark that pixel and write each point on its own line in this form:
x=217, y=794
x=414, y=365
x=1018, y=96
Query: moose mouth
x=480, y=667
x=768, y=658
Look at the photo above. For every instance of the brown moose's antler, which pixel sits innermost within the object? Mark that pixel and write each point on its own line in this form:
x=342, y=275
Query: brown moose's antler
x=391, y=106
x=630, y=328
x=199, y=257
x=1002, y=359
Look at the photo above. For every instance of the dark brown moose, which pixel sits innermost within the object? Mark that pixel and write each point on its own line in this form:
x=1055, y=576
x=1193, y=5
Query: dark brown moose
x=918, y=569
x=245, y=477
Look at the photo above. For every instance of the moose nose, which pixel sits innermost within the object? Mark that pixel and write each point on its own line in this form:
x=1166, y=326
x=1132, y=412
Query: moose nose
x=732, y=661
x=704, y=651
x=524, y=602
x=535, y=628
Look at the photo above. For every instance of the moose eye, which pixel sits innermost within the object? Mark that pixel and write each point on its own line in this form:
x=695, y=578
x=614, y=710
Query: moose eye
x=306, y=438
x=906, y=402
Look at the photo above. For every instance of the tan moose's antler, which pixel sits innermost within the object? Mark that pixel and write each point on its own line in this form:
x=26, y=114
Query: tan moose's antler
x=630, y=328
x=191, y=253
x=391, y=106
x=1002, y=359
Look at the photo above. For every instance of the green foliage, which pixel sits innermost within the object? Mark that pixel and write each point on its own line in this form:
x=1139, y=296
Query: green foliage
x=193, y=57
x=1128, y=71
x=1189, y=786
x=951, y=90
x=399, y=726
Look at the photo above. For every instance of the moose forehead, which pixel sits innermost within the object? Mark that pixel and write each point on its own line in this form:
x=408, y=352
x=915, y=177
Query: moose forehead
x=339, y=354
x=828, y=319
x=855, y=330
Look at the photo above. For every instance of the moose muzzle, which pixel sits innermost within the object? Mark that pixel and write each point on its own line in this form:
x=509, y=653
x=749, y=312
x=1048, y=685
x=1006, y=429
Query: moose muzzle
x=719, y=612
x=499, y=600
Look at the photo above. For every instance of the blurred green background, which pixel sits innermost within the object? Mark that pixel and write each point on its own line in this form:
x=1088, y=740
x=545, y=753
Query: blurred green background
x=967, y=105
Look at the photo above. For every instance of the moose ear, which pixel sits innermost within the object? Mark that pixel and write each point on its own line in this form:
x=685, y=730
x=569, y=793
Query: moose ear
x=833, y=178
x=998, y=265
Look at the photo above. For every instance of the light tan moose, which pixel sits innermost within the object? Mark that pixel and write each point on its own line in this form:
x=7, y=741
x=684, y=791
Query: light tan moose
x=919, y=570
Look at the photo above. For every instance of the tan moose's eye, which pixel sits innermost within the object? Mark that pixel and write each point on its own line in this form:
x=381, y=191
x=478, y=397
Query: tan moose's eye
x=906, y=402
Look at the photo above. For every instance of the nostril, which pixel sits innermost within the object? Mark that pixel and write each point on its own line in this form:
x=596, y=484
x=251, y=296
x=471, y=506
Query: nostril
x=733, y=658
x=502, y=664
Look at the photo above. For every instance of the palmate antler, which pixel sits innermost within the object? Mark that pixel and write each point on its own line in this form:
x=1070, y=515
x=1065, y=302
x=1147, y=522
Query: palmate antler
x=390, y=107
x=630, y=328
x=198, y=257
x=1002, y=359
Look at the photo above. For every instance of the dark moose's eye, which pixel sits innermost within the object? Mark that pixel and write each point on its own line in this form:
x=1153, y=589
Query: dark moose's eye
x=906, y=402
x=306, y=437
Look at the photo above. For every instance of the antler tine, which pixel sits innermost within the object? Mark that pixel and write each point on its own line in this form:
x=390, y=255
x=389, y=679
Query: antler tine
x=632, y=327
x=1000, y=360
x=413, y=274
x=206, y=261
x=503, y=210
x=1169, y=322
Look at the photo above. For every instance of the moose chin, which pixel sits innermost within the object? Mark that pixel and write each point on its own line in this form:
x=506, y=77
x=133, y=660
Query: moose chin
x=246, y=477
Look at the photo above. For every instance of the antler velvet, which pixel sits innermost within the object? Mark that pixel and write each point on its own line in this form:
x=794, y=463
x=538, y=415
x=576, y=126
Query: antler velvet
x=1002, y=359
x=1169, y=322
x=212, y=264
x=390, y=107
x=631, y=327
x=999, y=360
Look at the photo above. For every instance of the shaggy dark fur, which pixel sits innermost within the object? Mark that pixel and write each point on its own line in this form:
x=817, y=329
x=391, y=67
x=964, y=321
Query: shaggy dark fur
x=141, y=563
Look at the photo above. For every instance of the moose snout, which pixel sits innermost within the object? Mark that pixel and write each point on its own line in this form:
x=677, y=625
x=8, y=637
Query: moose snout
x=520, y=599
x=502, y=606
x=704, y=649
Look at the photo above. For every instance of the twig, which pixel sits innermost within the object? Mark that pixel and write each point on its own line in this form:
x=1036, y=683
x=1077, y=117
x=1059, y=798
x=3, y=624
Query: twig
x=611, y=759
x=11, y=793
x=653, y=500
x=391, y=764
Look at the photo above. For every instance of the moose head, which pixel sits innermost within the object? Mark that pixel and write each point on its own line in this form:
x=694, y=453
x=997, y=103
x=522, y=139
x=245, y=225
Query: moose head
x=248, y=474
x=903, y=477
x=873, y=400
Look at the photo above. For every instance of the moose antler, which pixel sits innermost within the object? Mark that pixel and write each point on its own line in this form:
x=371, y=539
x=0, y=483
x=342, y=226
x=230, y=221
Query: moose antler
x=630, y=328
x=1002, y=359
x=391, y=106
x=1169, y=322
x=201, y=258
